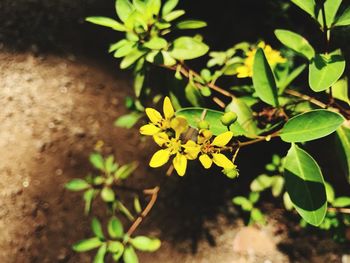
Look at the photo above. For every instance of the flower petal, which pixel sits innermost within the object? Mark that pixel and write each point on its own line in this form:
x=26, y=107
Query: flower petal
x=192, y=150
x=205, y=161
x=179, y=125
x=160, y=158
x=168, y=108
x=222, y=161
x=149, y=129
x=222, y=139
x=180, y=164
x=161, y=138
x=153, y=115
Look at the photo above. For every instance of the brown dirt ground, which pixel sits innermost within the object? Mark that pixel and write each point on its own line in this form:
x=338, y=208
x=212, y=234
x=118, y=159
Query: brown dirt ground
x=54, y=110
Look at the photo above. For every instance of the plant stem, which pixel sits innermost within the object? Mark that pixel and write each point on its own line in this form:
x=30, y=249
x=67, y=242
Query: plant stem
x=154, y=194
x=265, y=138
x=306, y=97
x=339, y=210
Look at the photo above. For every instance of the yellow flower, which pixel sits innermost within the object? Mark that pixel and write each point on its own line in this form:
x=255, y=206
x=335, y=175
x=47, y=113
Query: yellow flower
x=210, y=151
x=273, y=57
x=158, y=122
x=174, y=146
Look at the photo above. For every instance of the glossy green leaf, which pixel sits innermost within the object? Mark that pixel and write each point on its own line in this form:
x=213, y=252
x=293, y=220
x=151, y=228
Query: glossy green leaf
x=263, y=79
x=144, y=243
x=296, y=42
x=341, y=201
x=325, y=70
x=344, y=18
x=107, y=22
x=245, y=116
x=173, y=15
x=156, y=43
x=107, y=194
x=343, y=148
x=97, y=161
x=194, y=115
x=115, y=228
x=131, y=58
x=331, y=8
x=340, y=90
x=128, y=120
x=307, y=5
x=124, y=9
x=100, y=255
x=129, y=255
x=87, y=244
x=185, y=48
x=191, y=24
x=154, y=6
x=124, y=49
x=77, y=185
x=97, y=228
x=169, y=6
x=311, y=125
x=305, y=185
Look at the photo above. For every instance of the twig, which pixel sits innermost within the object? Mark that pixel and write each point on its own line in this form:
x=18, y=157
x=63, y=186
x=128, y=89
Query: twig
x=306, y=97
x=266, y=138
x=339, y=210
x=154, y=194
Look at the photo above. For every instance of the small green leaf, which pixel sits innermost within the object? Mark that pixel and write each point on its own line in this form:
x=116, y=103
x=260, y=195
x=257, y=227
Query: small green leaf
x=169, y=6
x=243, y=202
x=116, y=247
x=287, y=202
x=194, y=115
x=343, y=148
x=156, y=43
x=107, y=22
x=277, y=185
x=185, y=48
x=101, y=253
x=329, y=192
x=261, y=183
x=307, y=5
x=124, y=9
x=191, y=24
x=107, y=194
x=129, y=255
x=305, y=185
x=144, y=243
x=173, y=15
x=296, y=42
x=97, y=161
x=110, y=165
x=331, y=8
x=124, y=49
x=193, y=95
x=311, y=125
x=325, y=70
x=137, y=205
x=115, y=228
x=129, y=120
x=340, y=90
x=88, y=198
x=77, y=185
x=126, y=170
x=87, y=244
x=131, y=58
x=341, y=201
x=97, y=228
x=344, y=18
x=254, y=197
x=257, y=216
x=263, y=79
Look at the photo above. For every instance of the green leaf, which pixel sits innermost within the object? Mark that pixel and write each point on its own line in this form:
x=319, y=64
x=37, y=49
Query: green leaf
x=292, y=76
x=107, y=194
x=88, y=198
x=107, y=22
x=261, y=183
x=287, y=202
x=129, y=255
x=101, y=253
x=296, y=42
x=344, y=18
x=154, y=6
x=305, y=185
x=329, y=192
x=97, y=161
x=156, y=43
x=254, y=197
x=245, y=116
x=137, y=205
x=110, y=165
x=115, y=228
x=129, y=120
x=325, y=70
x=343, y=148
x=113, y=47
x=173, y=15
x=307, y=5
x=77, y=185
x=87, y=244
x=144, y=243
x=257, y=216
x=131, y=58
x=193, y=95
x=194, y=114
x=331, y=8
x=126, y=170
x=97, y=228
x=263, y=79
x=124, y=49
x=116, y=247
x=169, y=6
x=185, y=48
x=340, y=90
x=124, y=9
x=277, y=185
x=311, y=125
x=191, y=24
x=245, y=204
x=341, y=201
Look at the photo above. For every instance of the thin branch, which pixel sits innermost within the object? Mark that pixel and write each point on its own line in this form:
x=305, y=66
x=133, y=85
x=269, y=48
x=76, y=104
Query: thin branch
x=306, y=97
x=265, y=138
x=339, y=210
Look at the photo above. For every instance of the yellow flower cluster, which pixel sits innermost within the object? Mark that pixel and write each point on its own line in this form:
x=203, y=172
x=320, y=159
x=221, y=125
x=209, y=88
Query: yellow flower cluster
x=273, y=57
x=169, y=132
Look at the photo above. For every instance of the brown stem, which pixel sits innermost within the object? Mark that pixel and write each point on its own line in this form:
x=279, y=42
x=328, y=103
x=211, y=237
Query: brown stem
x=306, y=97
x=265, y=138
x=154, y=194
x=339, y=210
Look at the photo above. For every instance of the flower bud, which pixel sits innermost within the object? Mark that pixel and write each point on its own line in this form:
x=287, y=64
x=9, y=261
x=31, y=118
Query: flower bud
x=203, y=125
x=231, y=173
x=228, y=118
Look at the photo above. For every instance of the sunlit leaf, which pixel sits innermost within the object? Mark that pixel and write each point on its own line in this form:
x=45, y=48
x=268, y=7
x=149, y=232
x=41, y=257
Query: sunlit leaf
x=343, y=19
x=331, y=8
x=97, y=228
x=129, y=255
x=341, y=201
x=115, y=228
x=77, y=185
x=124, y=8
x=340, y=90
x=107, y=194
x=128, y=120
x=185, y=48
x=107, y=22
x=100, y=255
x=307, y=5
x=87, y=244
x=169, y=6
x=343, y=148
x=144, y=243
x=191, y=24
